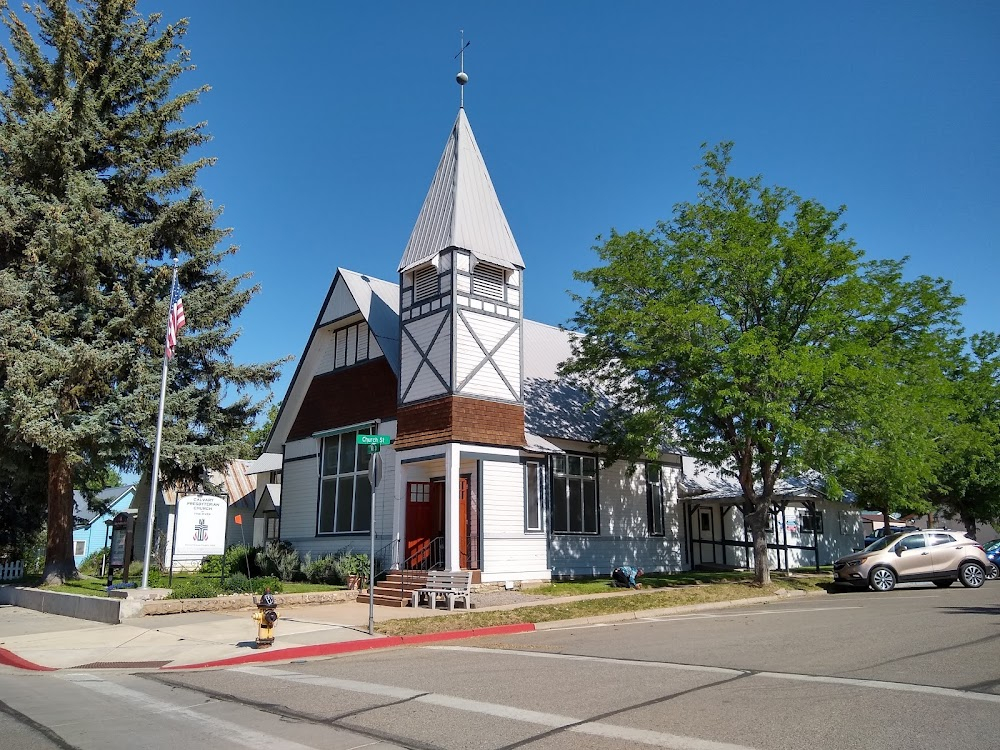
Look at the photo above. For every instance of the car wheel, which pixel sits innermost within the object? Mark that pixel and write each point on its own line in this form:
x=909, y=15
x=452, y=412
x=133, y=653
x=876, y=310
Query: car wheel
x=972, y=575
x=882, y=579
x=945, y=583
x=993, y=573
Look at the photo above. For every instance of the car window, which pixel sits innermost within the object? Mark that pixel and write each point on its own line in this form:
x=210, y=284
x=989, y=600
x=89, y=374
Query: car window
x=882, y=543
x=937, y=539
x=990, y=546
x=912, y=542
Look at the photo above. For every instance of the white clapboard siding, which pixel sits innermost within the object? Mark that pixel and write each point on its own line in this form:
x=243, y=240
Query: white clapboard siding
x=508, y=551
x=503, y=497
x=299, y=500
x=624, y=537
x=300, y=448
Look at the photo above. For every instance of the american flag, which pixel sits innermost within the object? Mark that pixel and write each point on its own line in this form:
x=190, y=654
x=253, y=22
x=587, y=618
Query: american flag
x=176, y=320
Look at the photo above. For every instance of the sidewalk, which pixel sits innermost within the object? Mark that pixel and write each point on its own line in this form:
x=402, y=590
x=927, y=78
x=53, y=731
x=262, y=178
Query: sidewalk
x=38, y=641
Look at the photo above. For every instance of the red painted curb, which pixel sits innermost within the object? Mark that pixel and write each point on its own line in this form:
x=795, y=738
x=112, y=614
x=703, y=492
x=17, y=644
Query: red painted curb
x=346, y=647
x=11, y=659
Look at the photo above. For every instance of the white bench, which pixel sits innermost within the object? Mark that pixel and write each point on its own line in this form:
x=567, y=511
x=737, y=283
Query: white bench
x=452, y=584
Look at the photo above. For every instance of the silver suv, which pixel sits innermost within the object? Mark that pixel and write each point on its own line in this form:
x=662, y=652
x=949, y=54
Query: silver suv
x=931, y=555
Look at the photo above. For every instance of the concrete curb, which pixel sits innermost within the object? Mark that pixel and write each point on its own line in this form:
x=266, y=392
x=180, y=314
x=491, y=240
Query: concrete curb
x=345, y=647
x=643, y=614
x=10, y=659
x=98, y=609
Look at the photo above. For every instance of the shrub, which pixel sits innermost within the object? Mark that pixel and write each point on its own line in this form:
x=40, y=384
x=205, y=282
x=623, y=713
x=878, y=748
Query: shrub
x=211, y=565
x=279, y=559
x=196, y=588
x=352, y=563
x=267, y=582
x=237, y=557
x=91, y=565
x=324, y=570
x=237, y=583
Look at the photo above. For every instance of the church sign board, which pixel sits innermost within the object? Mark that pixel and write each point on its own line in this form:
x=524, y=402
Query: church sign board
x=200, y=528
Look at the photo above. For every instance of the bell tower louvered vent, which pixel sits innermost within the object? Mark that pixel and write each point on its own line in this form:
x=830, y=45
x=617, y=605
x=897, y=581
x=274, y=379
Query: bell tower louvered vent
x=425, y=283
x=487, y=281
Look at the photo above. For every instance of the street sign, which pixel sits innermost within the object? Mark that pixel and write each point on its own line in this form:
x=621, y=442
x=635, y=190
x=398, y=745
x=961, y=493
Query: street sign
x=374, y=440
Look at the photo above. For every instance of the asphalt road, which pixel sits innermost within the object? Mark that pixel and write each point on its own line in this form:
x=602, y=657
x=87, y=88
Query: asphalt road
x=916, y=668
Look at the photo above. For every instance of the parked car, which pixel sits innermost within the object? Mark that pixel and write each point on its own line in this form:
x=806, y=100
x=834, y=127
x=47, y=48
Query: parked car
x=993, y=556
x=934, y=555
x=880, y=533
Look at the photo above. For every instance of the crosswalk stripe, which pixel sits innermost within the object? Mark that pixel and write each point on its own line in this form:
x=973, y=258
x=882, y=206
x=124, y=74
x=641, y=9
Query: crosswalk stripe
x=555, y=721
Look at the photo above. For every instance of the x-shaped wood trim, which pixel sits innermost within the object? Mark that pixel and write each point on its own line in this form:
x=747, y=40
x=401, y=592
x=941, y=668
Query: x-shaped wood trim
x=489, y=357
x=425, y=356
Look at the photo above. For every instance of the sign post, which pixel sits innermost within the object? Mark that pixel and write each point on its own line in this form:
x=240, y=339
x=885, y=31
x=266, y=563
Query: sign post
x=374, y=443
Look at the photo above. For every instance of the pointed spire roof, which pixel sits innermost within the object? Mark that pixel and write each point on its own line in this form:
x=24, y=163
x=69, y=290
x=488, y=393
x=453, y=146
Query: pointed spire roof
x=461, y=208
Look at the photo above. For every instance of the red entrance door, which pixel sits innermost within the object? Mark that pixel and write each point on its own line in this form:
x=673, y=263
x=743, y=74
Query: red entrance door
x=424, y=519
x=425, y=522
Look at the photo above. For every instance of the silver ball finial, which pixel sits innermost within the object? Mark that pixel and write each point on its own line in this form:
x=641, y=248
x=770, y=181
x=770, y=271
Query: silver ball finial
x=462, y=78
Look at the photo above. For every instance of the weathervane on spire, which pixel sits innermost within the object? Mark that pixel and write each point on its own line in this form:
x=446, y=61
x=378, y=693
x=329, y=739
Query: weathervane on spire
x=462, y=78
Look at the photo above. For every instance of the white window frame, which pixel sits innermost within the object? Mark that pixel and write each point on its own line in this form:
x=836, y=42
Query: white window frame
x=82, y=552
x=336, y=480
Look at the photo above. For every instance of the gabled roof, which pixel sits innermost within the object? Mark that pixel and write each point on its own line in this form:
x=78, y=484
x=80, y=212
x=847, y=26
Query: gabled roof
x=104, y=500
x=461, y=208
x=378, y=301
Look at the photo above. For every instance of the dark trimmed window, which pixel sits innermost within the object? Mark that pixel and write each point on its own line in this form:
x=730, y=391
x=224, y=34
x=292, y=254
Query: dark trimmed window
x=811, y=521
x=532, y=496
x=345, y=492
x=654, y=499
x=574, y=495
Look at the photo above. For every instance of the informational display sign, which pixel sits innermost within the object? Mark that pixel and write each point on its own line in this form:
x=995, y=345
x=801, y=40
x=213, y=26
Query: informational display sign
x=200, y=526
x=117, y=548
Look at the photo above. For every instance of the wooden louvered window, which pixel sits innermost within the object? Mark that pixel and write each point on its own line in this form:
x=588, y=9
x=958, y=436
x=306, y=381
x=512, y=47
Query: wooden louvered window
x=425, y=283
x=487, y=281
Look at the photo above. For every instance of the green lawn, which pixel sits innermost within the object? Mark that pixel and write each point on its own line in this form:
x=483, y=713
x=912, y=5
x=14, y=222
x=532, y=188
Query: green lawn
x=93, y=586
x=576, y=587
x=668, y=595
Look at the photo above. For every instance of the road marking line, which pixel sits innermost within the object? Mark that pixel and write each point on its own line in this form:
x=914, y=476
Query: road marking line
x=699, y=616
x=555, y=721
x=219, y=729
x=599, y=659
x=902, y=687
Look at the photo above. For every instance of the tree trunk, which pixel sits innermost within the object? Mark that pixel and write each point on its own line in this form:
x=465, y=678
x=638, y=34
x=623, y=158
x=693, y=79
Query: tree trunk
x=970, y=526
x=886, y=527
x=758, y=532
x=59, y=563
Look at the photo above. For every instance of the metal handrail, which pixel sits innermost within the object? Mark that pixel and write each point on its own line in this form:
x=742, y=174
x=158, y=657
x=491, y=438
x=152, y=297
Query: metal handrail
x=430, y=556
x=391, y=558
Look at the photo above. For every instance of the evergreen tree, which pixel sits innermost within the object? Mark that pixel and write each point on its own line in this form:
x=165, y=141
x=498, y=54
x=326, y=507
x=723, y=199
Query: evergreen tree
x=98, y=193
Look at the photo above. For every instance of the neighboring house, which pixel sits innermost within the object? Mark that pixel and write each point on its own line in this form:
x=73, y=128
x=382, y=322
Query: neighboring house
x=90, y=527
x=493, y=465
x=266, y=511
x=806, y=529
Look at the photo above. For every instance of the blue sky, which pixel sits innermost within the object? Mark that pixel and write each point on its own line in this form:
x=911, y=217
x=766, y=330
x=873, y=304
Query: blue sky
x=329, y=118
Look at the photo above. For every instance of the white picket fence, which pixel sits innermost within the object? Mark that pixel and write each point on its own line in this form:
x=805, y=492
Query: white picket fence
x=10, y=571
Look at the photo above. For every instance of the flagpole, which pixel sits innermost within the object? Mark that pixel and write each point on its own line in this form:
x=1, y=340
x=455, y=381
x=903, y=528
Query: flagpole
x=156, y=453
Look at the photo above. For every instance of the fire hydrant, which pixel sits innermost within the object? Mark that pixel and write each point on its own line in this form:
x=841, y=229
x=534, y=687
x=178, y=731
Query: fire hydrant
x=265, y=617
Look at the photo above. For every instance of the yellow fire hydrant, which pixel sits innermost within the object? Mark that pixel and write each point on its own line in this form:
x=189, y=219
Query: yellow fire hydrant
x=265, y=617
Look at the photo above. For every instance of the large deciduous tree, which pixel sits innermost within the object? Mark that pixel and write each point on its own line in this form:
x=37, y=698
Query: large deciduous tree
x=968, y=483
x=751, y=332
x=98, y=193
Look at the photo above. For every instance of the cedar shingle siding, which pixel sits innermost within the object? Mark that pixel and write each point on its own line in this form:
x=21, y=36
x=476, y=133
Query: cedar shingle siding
x=457, y=419
x=346, y=397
